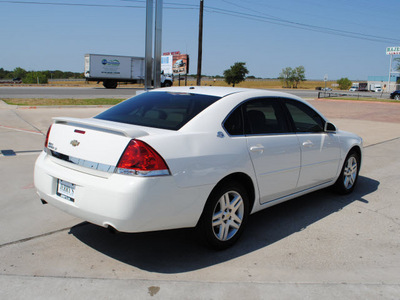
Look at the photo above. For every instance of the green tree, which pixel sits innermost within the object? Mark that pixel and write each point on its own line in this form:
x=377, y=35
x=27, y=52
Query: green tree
x=292, y=77
x=299, y=75
x=398, y=63
x=4, y=74
x=286, y=77
x=236, y=74
x=344, y=83
x=19, y=73
x=34, y=77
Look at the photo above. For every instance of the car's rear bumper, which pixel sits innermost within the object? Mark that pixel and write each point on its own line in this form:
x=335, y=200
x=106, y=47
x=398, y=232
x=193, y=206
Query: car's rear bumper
x=127, y=203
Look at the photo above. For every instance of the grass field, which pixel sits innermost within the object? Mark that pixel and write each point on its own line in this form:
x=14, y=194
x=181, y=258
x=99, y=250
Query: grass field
x=261, y=84
x=55, y=102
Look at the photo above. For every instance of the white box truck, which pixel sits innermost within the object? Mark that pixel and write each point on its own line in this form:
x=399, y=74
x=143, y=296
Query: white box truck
x=376, y=87
x=111, y=69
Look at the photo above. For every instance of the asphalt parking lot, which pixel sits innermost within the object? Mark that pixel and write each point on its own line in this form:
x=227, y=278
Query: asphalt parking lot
x=319, y=246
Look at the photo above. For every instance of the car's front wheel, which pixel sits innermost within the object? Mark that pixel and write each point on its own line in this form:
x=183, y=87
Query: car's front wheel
x=397, y=97
x=349, y=174
x=224, y=216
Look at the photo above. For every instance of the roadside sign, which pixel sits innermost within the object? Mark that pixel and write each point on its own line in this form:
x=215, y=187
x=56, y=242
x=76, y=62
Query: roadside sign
x=392, y=50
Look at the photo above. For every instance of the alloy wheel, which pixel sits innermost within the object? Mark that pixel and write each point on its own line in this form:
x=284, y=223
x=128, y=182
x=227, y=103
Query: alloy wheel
x=228, y=215
x=350, y=172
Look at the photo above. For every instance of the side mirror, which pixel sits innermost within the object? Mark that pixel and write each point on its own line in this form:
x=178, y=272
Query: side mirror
x=329, y=127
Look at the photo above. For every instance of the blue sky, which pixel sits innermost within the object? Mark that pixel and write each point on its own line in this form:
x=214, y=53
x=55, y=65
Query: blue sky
x=268, y=35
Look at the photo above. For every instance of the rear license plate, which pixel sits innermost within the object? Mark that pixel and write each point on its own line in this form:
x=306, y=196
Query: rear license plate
x=66, y=190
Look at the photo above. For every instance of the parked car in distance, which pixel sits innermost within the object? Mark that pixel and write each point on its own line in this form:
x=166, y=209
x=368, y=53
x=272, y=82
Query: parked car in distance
x=204, y=157
x=326, y=89
x=395, y=95
x=353, y=89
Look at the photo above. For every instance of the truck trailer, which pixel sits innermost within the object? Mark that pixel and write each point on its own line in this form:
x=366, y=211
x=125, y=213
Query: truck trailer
x=111, y=69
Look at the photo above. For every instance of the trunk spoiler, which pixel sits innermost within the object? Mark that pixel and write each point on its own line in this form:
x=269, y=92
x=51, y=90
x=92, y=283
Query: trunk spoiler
x=102, y=125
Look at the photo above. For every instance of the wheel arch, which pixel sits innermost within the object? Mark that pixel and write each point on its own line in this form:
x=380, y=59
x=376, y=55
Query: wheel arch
x=357, y=150
x=242, y=178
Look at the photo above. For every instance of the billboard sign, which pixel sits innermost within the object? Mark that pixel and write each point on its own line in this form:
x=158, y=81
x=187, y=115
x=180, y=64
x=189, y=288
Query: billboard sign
x=392, y=50
x=179, y=64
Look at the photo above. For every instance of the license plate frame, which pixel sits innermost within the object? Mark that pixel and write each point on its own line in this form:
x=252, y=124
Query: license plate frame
x=66, y=190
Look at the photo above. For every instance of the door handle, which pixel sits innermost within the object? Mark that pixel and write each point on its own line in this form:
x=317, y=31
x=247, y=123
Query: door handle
x=308, y=144
x=257, y=148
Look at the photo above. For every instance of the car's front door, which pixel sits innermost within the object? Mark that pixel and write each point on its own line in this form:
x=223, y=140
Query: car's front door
x=320, y=151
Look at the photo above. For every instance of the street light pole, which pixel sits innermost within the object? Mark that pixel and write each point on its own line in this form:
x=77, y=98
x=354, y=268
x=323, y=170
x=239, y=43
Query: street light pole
x=200, y=51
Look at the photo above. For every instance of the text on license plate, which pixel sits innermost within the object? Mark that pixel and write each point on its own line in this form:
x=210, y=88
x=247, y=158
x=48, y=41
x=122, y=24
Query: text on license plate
x=66, y=190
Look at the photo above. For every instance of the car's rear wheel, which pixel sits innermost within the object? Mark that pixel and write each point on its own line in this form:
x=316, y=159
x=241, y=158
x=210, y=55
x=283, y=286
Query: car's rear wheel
x=349, y=174
x=224, y=216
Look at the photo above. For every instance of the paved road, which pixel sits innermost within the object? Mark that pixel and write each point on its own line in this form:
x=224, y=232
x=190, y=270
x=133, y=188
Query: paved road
x=94, y=92
x=319, y=246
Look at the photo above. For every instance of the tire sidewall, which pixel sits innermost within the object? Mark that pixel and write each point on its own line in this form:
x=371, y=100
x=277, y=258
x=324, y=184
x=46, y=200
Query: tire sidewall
x=205, y=228
x=339, y=185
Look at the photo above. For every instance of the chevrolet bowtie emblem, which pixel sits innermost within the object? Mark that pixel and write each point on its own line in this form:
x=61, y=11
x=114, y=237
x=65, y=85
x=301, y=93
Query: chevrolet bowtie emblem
x=75, y=143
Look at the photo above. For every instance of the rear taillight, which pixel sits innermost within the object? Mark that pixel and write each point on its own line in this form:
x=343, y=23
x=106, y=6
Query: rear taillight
x=46, y=142
x=140, y=159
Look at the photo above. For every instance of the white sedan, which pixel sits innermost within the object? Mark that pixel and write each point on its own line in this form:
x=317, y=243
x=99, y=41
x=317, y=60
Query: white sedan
x=202, y=157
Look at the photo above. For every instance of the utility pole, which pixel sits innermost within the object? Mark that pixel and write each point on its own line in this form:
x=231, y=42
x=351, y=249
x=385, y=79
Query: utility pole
x=157, y=44
x=200, y=52
x=149, y=43
x=153, y=66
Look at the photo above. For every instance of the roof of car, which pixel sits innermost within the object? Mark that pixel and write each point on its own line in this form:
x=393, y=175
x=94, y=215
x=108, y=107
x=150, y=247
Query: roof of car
x=216, y=90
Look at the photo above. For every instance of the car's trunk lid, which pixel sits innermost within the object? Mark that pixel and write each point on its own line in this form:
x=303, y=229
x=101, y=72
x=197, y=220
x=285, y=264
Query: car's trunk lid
x=90, y=140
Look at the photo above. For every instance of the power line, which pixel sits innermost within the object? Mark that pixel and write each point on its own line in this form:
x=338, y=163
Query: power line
x=70, y=4
x=255, y=17
x=303, y=26
x=171, y=5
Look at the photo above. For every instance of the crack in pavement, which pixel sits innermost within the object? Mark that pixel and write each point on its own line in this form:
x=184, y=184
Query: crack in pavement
x=15, y=112
x=41, y=235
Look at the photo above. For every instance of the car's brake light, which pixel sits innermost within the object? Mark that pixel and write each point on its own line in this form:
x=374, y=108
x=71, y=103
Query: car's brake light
x=140, y=159
x=46, y=142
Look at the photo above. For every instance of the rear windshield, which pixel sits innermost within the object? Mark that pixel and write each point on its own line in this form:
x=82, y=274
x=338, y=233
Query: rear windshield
x=158, y=109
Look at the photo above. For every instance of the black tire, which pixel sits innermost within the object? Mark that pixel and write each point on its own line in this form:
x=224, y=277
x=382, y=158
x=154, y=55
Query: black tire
x=110, y=84
x=348, y=177
x=229, y=218
x=167, y=83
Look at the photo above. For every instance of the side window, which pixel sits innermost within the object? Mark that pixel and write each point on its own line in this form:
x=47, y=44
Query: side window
x=264, y=116
x=305, y=119
x=234, y=124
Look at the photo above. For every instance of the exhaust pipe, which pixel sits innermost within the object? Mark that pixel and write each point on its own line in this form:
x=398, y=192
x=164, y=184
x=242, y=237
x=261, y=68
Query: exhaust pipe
x=43, y=202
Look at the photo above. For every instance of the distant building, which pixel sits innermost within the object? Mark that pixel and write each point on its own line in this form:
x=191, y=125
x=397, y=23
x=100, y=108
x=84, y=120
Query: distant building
x=383, y=81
